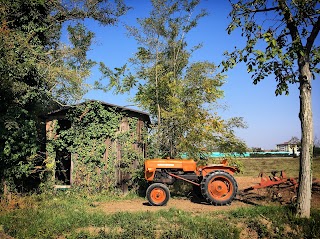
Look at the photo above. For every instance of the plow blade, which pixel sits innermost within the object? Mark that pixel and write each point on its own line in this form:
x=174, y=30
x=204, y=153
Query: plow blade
x=277, y=187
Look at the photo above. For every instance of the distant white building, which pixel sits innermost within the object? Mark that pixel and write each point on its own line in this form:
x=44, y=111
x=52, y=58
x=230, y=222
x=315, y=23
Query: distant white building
x=290, y=147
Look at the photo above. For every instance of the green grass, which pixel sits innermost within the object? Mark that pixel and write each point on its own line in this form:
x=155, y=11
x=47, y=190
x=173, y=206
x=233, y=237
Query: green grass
x=253, y=166
x=72, y=217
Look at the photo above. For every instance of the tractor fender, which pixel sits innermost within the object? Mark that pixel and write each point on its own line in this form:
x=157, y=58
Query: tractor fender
x=204, y=170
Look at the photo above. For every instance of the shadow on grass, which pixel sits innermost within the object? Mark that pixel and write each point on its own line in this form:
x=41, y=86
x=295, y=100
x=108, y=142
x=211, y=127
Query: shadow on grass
x=250, y=199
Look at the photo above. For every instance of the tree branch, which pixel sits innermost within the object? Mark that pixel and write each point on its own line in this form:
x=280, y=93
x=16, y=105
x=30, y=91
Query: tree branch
x=263, y=10
x=246, y=11
x=313, y=35
x=291, y=23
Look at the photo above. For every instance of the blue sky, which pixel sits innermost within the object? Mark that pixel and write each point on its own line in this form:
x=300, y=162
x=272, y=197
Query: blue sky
x=270, y=119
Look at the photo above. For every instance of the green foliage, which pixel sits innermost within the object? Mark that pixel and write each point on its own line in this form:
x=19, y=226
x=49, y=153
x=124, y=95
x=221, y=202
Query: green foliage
x=179, y=95
x=38, y=72
x=71, y=216
x=282, y=44
x=100, y=147
x=285, y=34
x=19, y=141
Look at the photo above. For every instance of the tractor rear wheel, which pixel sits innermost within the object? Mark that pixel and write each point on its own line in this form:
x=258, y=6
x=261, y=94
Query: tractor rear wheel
x=158, y=194
x=219, y=188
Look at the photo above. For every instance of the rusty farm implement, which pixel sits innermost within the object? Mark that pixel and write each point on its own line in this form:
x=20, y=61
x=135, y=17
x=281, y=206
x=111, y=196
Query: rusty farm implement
x=277, y=187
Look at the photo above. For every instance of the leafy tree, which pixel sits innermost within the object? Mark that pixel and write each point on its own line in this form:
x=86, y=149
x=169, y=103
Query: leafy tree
x=281, y=40
x=179, y=95
x=38, y=72
x=294, y=140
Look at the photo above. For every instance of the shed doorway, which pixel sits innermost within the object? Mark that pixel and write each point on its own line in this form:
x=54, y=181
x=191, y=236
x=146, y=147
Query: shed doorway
x=63, y=170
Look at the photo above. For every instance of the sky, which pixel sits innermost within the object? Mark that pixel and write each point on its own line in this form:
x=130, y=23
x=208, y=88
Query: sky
x=270, y=119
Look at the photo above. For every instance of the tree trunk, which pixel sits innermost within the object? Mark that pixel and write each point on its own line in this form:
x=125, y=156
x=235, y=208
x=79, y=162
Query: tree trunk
x=305, y=173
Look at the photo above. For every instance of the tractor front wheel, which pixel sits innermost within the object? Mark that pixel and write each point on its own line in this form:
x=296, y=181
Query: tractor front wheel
x=219, y=188
x=158, y=194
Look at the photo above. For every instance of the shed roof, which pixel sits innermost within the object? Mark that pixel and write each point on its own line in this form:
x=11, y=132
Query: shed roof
x=62, y=110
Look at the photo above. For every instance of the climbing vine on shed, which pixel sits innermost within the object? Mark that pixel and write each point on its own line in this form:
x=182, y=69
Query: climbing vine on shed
x=104, y=145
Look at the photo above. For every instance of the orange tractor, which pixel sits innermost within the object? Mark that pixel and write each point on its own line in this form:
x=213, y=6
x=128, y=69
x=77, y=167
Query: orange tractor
x=215, y=182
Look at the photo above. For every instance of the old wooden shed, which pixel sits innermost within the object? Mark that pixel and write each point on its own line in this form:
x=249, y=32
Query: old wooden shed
x=64, y=172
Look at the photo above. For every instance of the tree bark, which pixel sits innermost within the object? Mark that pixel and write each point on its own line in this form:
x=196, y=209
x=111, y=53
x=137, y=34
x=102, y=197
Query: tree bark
x=305, y=172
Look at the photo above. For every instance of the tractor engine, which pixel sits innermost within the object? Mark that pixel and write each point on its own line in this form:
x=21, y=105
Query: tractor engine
x=161, y=176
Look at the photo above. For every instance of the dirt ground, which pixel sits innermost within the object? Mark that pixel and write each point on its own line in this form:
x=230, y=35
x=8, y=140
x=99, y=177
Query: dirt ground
x=196, y=205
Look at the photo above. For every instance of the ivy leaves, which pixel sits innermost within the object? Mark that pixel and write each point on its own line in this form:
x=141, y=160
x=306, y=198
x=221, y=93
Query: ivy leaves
x=91, y=125
x=99, y=146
